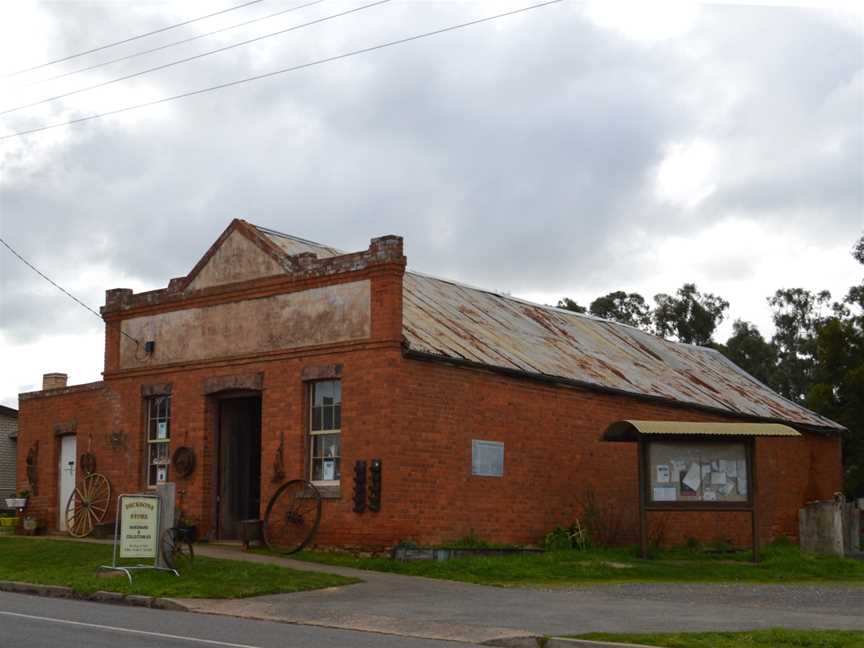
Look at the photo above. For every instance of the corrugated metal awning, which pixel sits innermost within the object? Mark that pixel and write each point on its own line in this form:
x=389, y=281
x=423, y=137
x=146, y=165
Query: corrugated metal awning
x=630, y=430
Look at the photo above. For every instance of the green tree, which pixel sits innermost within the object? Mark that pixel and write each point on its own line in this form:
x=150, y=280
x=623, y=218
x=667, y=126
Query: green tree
x=568, y=304
x=690, y=316
x=797, y=315
x=627, y=308
x=858, y=250
x=837, y=389
x=750, y=351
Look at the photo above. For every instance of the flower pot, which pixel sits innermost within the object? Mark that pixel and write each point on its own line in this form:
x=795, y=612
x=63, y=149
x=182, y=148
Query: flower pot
x=30, y=523
x=16, y=502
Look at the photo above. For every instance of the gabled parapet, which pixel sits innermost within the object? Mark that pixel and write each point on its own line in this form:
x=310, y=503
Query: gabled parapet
x=245, y=253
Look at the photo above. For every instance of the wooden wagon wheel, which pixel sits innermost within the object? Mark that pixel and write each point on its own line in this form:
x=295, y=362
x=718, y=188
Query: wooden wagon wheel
x=87, y=505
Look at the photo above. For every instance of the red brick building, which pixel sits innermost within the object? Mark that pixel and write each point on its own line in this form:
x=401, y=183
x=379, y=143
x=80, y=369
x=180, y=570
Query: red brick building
x=486, y=411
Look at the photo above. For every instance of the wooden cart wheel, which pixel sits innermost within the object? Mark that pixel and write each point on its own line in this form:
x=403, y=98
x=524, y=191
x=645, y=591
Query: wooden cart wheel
x=177, y=552
x=87, y=505
x=292, y=516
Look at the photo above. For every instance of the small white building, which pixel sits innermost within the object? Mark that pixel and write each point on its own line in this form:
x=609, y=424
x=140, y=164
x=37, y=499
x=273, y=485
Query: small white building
x=8, y=450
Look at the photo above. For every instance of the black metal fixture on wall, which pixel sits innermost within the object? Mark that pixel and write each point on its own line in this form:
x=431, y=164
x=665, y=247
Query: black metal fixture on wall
x=359, y=486
x=375, y=486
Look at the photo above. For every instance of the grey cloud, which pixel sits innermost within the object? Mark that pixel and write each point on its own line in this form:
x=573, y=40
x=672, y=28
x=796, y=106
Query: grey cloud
x=514, y=159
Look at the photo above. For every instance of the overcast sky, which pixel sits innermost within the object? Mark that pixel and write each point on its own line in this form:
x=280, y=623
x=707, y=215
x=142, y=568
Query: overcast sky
x=571, y=150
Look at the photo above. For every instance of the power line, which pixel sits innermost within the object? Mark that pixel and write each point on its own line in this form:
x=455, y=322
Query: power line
x=174, y=44
x=58, y=286
x=283, y=70
x=130, y=39
x=193, y=58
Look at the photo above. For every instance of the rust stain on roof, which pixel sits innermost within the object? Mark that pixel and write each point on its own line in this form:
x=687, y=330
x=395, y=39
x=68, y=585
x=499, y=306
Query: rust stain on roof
x=454, y=321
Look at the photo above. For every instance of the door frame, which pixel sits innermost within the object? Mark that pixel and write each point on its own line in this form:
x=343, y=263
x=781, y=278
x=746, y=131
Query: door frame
x=216, y=400
x=61, y=501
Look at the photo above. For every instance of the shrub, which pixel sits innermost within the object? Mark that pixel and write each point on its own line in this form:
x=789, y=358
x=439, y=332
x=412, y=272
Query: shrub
x=720, y=545
x=782, y=541
x=470, y=541
x=572, y=537
x=602, y=523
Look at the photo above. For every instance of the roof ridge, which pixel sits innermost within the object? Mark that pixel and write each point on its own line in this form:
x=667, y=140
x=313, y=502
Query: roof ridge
x=298, y=239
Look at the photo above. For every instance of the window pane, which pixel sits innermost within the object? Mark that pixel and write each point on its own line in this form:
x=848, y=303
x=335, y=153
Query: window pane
x=323, y=392
x=331, y=445
x=318, y=445
x=328, y=418
x=337, y=417
x=337, y=391
x=316, y=418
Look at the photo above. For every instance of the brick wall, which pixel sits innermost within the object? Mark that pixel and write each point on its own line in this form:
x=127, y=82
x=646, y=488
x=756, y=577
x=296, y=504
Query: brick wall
x=8, y=449
x=418, y=417
x=553, y=454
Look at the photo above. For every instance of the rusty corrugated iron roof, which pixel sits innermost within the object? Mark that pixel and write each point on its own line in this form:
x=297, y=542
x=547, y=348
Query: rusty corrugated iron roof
x=457, y=322
x=451, y=321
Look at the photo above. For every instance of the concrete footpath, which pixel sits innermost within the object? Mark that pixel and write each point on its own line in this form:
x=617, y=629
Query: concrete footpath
x=435, y=609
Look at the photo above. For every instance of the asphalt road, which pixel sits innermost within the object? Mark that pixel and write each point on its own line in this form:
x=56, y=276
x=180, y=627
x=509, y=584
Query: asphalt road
x=423, y=607
x=37, y=622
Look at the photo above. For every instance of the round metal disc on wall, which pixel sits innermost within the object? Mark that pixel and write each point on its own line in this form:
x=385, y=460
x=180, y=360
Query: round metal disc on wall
x=183, y=462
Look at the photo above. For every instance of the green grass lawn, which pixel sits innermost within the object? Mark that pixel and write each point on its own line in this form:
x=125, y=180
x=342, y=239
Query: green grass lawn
x=780, y=564
x=751, y=639
x=64, y=562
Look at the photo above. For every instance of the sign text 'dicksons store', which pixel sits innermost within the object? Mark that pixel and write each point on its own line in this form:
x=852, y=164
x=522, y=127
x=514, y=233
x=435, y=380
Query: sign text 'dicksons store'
x=139, y=521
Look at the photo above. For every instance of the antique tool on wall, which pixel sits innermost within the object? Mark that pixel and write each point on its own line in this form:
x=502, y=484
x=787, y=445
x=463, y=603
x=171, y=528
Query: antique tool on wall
x=88, y=459
x=279, y=461
x=359, y=486
x=32, y=472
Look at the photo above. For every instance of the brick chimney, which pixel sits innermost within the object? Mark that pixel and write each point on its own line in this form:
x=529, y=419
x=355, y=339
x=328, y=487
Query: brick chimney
x=54, y=380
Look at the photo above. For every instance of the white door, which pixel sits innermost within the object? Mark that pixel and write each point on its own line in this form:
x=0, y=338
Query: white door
x=66, y=475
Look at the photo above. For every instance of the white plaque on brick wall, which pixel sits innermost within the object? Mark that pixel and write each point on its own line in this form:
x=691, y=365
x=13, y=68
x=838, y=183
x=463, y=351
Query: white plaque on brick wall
x=487, y=458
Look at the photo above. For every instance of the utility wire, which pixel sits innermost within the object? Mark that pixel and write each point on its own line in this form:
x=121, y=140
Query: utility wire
x=193, y=58
x=174, y=44
x=58, y=286
x=132, y=38
x=283, y=70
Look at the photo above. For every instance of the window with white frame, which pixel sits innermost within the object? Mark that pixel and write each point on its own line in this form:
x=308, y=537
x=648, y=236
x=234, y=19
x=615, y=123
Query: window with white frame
x=325, y=423
x=158, y=439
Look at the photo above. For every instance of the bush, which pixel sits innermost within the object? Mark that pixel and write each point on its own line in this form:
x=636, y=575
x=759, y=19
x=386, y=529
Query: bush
x=470, y=541
x=720, y=545
x=572, y=537
x=602, y=524
x=782, y=541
